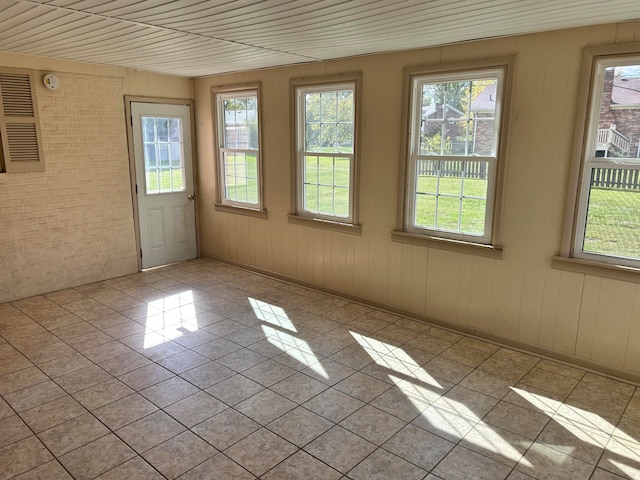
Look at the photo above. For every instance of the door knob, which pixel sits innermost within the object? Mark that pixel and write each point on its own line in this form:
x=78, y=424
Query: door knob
x=191, y=197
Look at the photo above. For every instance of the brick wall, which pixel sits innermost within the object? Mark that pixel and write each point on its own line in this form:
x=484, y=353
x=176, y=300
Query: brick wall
x=73, y=223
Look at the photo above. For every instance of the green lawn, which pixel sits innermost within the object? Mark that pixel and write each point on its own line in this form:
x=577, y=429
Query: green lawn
x=613, y=223
x=165, y=177
x=464, y=215
x=241, y=180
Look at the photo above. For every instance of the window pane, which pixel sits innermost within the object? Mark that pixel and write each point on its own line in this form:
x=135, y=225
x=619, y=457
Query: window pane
x=252, y=166
x=325, y=170
x=164, y=168
x=450, y=117
x=329, y=107
x=612, y=222
x=325, y=204
x=473, y=215
x=311, y=198
x=342, y=170
x=341, y=196
x=425, y=215
x=448, y=214
x=618, y=128
x=312, y=108
x=241, y=179
x=311, y=170
x=241, y=122
x=450, y=178
x=329, y=121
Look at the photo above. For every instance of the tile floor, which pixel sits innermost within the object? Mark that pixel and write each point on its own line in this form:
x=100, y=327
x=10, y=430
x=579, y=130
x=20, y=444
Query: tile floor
x=204, y=371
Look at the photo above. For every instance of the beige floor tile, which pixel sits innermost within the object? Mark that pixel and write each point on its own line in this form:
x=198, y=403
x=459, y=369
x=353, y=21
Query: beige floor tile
x=47, y=353
x=467, y=402
x=268, y=373
x=429, y=343
x=265, y=406
x=498, y=444
x=83, y=378
x=124, y=411
x=124, y=363
x=353, y=356
x=603, y=394
x=299, y=387
x=550, y=382
x=302, y=465
x=64, y=365
x=418, y=446
x=328, y=371
x=5, y=409
x=48, y=471
x=134, y=469
x=207, y=374
x=102, y=394
x=488, y=384
x=169, y=391
x=146, y=376
x=72, y=434
x=600, y=474
x=22, y=456
x=260, y=451
x=13, y=362
x=12, y=429
x=446, y=423
x=340, y=448
x=362, y=387
x=106, y=351
x=183, y=361
x=381, y=465
x=241, y=360
x=235, y=389
x=462, y=463
x=195, y=409
x=300, y=426
x=573, y=438
x=544, y=462
x=21, y=379
x=199, y=337
x=217, y=348
x=219, y=467
x=225, y=428
x=150, y=431
x=517, y=420
x=35, y=395
x=372, y=424
x=333, y=405
x=52, y=413
x=179, y=454
x=96, y=457
x=89, y=340
x=163, y=350
x=465, y=355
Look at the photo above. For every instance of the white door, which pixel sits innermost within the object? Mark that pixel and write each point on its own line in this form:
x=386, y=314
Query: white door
x=164, y=182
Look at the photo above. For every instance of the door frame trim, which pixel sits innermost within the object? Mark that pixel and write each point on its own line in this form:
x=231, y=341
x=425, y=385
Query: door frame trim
x=128, y=100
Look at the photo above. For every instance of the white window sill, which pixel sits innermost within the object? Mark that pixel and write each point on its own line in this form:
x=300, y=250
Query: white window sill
x=251, y=212
x=469, y=248
x=587, y=267
x=326, y=224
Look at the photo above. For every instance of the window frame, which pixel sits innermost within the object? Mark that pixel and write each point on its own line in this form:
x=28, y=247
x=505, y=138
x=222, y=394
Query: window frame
x=407, y=232
x=299, y=215
x=223, y=204
x=596, y=60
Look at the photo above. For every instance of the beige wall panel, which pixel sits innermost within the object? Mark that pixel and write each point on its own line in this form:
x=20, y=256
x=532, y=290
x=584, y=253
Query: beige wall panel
x=632, y=358
x=612, y=322
x=418, y=283
x=406, y=292
x=338, y=277
x=627, y=32
x=480, y=295
x=568, y=312
x=549, y=310
x=394, y=276
x=588, y=311
x=518, y=297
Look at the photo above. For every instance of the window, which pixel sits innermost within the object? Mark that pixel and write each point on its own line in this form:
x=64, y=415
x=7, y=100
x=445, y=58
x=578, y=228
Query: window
x=21, y=145
x=607, y=222
x=326, y=151
x=239, y=155
x=453, y=153
x=163, y=155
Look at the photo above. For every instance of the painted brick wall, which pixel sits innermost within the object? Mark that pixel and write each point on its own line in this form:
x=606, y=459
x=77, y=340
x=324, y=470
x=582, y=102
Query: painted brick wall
x=73, y=223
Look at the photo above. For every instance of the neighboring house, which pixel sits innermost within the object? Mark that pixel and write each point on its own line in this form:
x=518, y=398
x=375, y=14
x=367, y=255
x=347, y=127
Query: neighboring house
x=619, y=125
x=240, y=128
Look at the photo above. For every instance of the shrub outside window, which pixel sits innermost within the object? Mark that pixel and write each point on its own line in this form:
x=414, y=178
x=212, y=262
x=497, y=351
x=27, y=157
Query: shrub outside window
x=238, y=136
x=453, y=153
x=607, y=221
x=326, y=151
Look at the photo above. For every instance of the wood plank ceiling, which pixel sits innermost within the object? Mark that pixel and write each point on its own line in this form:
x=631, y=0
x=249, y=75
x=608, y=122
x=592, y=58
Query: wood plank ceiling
x=194, y=38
